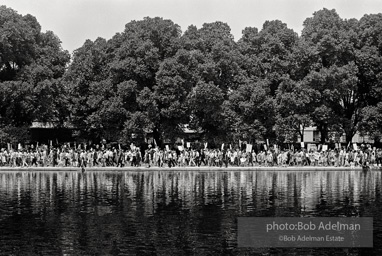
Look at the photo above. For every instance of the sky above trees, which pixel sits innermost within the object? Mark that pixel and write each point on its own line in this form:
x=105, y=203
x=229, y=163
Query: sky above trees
x=76, y=21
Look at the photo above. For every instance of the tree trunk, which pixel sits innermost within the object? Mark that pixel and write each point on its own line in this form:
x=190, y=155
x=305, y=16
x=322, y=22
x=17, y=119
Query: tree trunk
x=157, y=137
x=349, y=136
x=324, y=133
x=302, y=134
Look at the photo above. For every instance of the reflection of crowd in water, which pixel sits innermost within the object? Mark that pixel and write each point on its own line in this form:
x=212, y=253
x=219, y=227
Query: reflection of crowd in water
x=99, y=157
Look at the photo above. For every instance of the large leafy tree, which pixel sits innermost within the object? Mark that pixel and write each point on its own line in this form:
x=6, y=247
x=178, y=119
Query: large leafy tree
x=206, y=101
x=114, y=83
x=218, y=71
x=294, y=103
x=337, y=66
x=16, y=99
x=370, y=73
x=31, y=66
x=372, y=121
x=88, y=85
x=268, y=53
x=143, y=56
x=176, y=79
x=250, y=110
x=18, y=41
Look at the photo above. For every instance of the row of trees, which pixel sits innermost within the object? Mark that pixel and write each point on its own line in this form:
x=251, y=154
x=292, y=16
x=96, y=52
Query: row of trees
x=152, y=77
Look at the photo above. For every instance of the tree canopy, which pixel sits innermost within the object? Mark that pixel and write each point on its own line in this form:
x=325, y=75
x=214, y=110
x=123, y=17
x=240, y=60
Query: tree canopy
x=31, y=66
x=151, y=77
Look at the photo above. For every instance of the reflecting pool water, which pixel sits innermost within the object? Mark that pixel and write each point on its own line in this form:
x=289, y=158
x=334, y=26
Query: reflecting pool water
x=173, y=212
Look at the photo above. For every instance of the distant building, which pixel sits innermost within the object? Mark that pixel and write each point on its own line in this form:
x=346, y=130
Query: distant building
x=312, y=135
x=188, y=135
x=46, y=131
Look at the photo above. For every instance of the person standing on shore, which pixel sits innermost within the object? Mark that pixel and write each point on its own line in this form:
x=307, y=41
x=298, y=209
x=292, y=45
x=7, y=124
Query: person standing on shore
x=54, y=158
x=34, y=155
x=134, y=158
x=139, y=156
x=174, y=157
x=151, y=152
x=161, y=158
x=379, y=157
x=83, y=159
x=225, y=158
x=342, y=157
x=147, y=158
x=169, y=158
x=3, y=158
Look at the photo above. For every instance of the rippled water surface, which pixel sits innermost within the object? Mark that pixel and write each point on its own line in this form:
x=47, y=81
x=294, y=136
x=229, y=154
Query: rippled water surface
x=170, y=212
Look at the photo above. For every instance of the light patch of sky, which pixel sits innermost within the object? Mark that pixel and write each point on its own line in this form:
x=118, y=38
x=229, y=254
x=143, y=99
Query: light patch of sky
x=74, y=21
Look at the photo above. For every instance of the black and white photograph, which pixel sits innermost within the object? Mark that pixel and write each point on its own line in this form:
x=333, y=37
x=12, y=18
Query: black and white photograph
x=190, y=127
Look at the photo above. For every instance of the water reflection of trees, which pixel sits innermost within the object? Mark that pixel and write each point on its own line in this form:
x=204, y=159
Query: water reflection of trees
x=181, y=210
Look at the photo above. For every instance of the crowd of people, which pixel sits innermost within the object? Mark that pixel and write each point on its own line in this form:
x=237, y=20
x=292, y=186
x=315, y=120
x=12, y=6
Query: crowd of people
x=66, y=156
